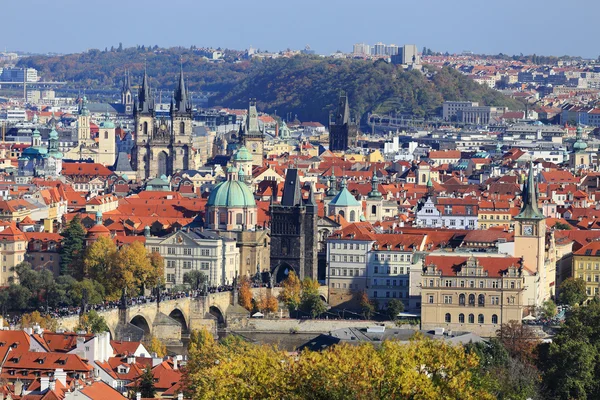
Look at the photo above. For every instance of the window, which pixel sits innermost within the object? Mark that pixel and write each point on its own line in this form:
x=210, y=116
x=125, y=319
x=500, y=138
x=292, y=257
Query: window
x=204, y=265
x=431, y=283
x=481, y=300
x=448, y=318
x=471, y=299
x=170, y=264
x=480, y=319
x=375, y=293
x=154, y=250
x=376, y=269
x=495, y=300
x=187, y=252
x=205, y=252
x=461, y=318
x=352, y=216
x=471, y=318
x=170, y=277
x=447, y=299
x=481, y=285
x=461, y=299
x=448, y=283
x=494, y=319
x=187, y=264
x=430, y=299
x=170, y=250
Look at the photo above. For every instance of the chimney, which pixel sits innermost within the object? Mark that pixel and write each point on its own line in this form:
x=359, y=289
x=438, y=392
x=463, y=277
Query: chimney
x=52, y=384
x=175, y=363
x=44, y=383
x=130, y=359
x=180, y=396
x=138, y=396
x=60, y=375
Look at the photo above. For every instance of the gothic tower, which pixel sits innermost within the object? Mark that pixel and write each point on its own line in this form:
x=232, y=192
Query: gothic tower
x=343, y=133
x=181, y=127
x=143, y=113
x=107, y=143
x=294, y=232
x=126, y=96
x=84, y=135
x=251, y=135
x=530, y=238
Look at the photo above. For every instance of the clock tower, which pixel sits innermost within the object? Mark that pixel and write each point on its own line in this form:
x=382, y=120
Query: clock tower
x=251, y=135
x=530, y=240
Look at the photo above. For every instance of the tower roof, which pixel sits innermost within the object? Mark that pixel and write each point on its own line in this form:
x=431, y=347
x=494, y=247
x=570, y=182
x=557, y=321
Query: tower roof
x=343, y=113
x=145, y=99
x=529, y=208
x=292, y=196
x=180, y=98
x=126, y=83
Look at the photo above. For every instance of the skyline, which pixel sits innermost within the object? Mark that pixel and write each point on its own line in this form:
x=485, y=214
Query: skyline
x=276, y=26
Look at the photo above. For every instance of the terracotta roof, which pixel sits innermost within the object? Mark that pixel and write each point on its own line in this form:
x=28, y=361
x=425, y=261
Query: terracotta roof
x=79, y=168
x=450, y=265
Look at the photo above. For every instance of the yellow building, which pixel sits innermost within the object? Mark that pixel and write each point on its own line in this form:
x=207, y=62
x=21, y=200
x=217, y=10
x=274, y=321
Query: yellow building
x=13, y=246
x=474, y=294
x=495, y=214
x=586, y=266
x=375, y=156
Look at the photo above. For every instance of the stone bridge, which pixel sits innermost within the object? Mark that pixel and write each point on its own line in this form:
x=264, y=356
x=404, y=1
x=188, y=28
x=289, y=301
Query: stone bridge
x=171, y=319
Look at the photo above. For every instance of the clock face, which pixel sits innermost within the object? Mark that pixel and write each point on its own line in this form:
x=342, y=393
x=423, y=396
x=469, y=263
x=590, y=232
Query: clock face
x=254, y=146
x=527, y=230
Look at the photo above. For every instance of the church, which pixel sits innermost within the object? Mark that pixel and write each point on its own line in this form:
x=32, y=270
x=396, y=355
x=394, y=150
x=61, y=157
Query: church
x=343, y=133
x=163, y=146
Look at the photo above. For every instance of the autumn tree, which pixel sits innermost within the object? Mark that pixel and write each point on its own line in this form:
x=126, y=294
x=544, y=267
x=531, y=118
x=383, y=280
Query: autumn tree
x=272, y=305
x=35, y=318
x=97, y=260
x=310, y=301
x=572, y=291
x=520, y=340
x=291, y=292
x=156, y=277
x=92, y=322
x=154, y=345
x=366, y=305
x=131, y=269
x=71, y=245
x=245, y=294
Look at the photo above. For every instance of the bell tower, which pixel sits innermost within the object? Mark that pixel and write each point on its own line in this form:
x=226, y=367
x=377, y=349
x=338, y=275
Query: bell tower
x=181, y=127
x=252, y=137
x=126, y=96
x=530, y=239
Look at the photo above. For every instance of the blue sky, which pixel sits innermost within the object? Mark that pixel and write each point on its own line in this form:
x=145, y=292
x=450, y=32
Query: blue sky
x=546, y=27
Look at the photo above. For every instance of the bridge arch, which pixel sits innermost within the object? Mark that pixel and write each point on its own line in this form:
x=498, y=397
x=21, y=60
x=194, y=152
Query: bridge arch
x=141, y=322
x=179, y=316
x=218, y=314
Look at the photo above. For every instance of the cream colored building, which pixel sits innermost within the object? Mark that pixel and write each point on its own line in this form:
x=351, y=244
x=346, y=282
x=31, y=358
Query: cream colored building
x=13, y=245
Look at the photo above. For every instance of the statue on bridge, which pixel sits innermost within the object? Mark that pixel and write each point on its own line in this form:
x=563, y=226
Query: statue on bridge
x=123, y=302
x=84, y=302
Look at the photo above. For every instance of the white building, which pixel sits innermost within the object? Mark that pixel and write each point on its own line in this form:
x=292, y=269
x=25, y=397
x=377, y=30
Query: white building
x=186, y=250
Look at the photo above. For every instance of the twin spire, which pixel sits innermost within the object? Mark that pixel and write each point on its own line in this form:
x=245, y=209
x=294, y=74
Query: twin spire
x=179, y=103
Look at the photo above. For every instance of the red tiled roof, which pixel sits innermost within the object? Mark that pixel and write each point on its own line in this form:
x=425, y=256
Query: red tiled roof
x=495, y=266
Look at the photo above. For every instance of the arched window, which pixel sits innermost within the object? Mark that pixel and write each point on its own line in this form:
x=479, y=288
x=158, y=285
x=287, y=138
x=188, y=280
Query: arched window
x=461, y=318
x=471, y=318
x=480, y=319
x=342, y=214
x=448, y=318
x=182, y=127
x=373, y=209
x=238, y=218
x=494, y=319
x=481, y=300
x=105, y=135
x=424, y=178
x=352, y=215
x=471, y=299
x=145, y=129
x=461, y=300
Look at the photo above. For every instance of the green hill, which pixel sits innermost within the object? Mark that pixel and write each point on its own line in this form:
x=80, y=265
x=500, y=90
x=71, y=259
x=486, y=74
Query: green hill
x=306, y=86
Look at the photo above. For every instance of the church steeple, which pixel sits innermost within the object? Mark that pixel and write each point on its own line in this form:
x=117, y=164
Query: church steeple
x=375, y=193
x=529, y=208
x=332, y=184
x=145, y=103
x=180, y=98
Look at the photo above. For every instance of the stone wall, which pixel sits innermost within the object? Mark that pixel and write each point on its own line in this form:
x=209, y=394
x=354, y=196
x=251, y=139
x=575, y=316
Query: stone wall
x=294, y=325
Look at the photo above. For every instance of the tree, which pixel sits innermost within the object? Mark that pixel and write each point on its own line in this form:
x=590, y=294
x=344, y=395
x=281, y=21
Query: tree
x=35, y=318
x=366, y=305
x=561, y=226
x=195, y=279
x=92, y=322
x=157, y=275
x=291, y=292
x=130, y=270
x=548, y=309
x=71, y=244
x=94, y=290
x=97, y=260
x=19, y=297
x=572, y=291
x=272, y=305
x=520, y=340
x=154, y=345
x=394, y=308
x=311, y=302
x=146, y=384
x=245, y=295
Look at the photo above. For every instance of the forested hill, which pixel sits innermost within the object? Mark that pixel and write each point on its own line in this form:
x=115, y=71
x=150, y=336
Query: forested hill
x=306, y=86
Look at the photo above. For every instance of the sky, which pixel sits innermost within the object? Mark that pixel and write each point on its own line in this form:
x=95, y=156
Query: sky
x=543, y=27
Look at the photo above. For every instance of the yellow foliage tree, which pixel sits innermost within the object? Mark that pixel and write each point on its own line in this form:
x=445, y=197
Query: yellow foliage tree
x=154, y=345
x=422, y=369
x=272, y=305
x=291, y=291
x=35, y=318
x=245, y=294
x=97, y=260
x=131, y=268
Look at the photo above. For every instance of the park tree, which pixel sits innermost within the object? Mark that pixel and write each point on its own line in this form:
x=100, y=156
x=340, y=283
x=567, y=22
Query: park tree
x=92, y=322
x=291, y=292
x=366, y=305
x=394, y=308
x=572, y=291
x=71, y=245
x=94, y=291
x=195, y=279
x=245, y=294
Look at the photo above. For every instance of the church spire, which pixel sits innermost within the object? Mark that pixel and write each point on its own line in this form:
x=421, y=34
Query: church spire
x=529, y=208
x=145, y=100
x=181, y=95
x=375, y=193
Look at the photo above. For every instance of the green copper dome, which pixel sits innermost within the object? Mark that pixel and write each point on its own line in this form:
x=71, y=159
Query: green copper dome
x=344, y=198
x=107, y=124
x=243, y=155
x=231, y=193
x=580, y=144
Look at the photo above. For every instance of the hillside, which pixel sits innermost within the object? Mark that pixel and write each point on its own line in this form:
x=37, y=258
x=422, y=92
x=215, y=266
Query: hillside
x=306, y=86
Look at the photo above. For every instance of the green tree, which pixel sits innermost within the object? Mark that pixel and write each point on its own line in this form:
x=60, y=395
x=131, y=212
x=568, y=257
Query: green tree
x=195, y=279
x=394, y=308
x=146, y=384
x=561, y=226
x=71, y=244
x=311, y=302
x=92, y=322
x=548, y=309
x=572, y=291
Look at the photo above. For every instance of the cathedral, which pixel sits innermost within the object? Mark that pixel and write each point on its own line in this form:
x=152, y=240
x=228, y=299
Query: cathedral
x=162, y=145
x=343, y=133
